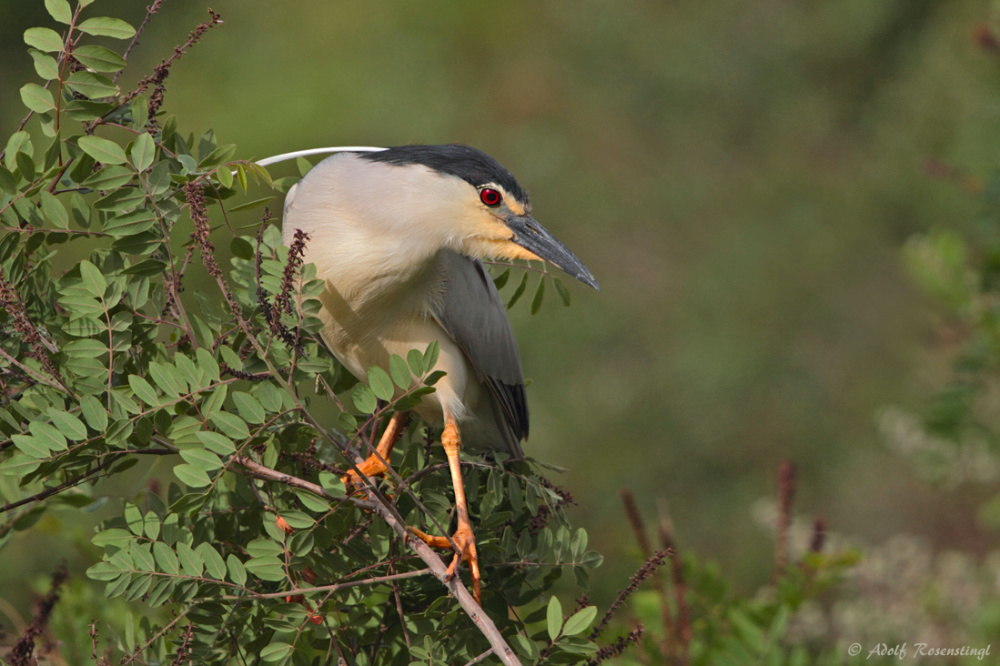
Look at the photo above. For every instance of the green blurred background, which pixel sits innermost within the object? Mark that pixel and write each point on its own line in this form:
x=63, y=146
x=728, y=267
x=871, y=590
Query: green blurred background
x=739, y=176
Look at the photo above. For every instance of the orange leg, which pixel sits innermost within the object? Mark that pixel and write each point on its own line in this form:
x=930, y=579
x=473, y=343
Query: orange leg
x=373, y=465
x=463, y=538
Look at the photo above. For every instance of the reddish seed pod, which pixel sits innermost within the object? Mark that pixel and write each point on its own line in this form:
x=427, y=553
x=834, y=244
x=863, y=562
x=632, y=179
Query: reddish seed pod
x=283, y=525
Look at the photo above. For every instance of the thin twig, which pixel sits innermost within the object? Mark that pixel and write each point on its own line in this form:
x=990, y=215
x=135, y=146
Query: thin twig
x=268, y=474
x=479, y=658
x=374, y=580
x=649, y=567
x=682, y=627
x=786, y=493
x=21, y=654
x=49, y=492
x=150, y=10
x=635, y=519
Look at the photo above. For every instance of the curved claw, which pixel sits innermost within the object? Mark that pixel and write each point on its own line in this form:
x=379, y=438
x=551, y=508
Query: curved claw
x=465, y=542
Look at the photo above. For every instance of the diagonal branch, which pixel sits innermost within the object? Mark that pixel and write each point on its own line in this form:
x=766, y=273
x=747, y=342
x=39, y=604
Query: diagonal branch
x=268, y=474
x=424, y=552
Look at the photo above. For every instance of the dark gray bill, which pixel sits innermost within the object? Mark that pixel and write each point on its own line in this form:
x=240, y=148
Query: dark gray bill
x=532, y=236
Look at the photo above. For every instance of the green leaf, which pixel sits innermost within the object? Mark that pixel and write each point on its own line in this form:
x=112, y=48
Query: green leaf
x=431, y=355
x=433, y=378
x=55, y=150
x=146, y=267
x=310, y=501
x=30, y=446
x=68, y=425
x=55, y=212
x=500, y=280
x=119, y=431
x=86, y=110
x=102, y=150
x=242, y=247
x=380, y=383
x=536, y=300
x=208, y=363
x=142, y=555
x=143, y=151
x=561, y=290
x=59, y=10
x=191, y=476
x=81, y=306
x=48, y=436
x=143, y=390
x=19, y=142
x=218, y=155
x=123, y=200
x=521, y=286
x=94, y=413
x=43, y=39
x=109, y=178
x=99, y=58
x=525, y=646
x=332, y=484
x=400, y=372
x=45, y=65
x=166, y=558
x=580, y=621
x=7, y=181
x=224, y=176
x=27, y=168
x=133, y=518
x=268, y=396
x=157, y=596
x=202, y=459
x=91, y=85
x=364, y=399
x=130, y=224
x=166, y=378
x=37, y=98
x=256, y=203
x=105, y=26
x=151, y=525
x=248, y=407
x=106, y=571
x=214, y=565
x=114, y=536
x=263, y=547
x=554, y=618
x=241, y=176
x=230, y=425
x=237, y=572
x=92, y=280
x=416, y=362
x=190, y=560
x=266, y=568
x=217, y=442
x=276, y=652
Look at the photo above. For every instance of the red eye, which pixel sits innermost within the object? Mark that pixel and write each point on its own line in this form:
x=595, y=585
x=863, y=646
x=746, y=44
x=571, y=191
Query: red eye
x=490, y=197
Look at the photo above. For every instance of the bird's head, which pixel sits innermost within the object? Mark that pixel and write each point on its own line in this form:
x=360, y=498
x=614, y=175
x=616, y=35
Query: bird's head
x=476, y=205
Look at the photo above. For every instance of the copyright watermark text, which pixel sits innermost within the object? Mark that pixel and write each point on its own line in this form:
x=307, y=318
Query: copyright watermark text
x=903, y=650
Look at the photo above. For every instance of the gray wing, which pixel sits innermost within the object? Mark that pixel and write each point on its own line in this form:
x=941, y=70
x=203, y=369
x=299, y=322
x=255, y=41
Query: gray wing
x=472, y=313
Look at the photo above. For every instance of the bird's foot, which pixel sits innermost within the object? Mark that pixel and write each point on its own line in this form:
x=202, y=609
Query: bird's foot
x=465, y=545
x=370, y=467
x=375, y=464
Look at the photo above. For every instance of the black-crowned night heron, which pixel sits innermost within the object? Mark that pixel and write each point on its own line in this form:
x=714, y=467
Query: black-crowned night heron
x=398, y=235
